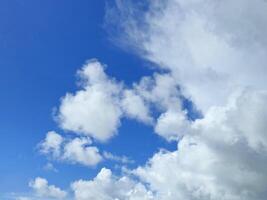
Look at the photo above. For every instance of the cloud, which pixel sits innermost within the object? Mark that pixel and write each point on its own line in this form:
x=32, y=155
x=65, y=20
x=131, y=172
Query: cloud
x=51, y=144
x=135, y=107
x=223, y=157
x=96, y=109
x=93, y=110
x=105, y=186
x=217, y=159
x=121, y=159
x=210, y=47
x=77, y=150
x=42, y=189
x=172, y=125
x=50, y=167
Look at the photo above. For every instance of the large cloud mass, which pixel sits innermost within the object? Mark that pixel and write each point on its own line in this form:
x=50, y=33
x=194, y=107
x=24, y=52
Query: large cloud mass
x=223, y=157
x=211, y=47
x=216, y=53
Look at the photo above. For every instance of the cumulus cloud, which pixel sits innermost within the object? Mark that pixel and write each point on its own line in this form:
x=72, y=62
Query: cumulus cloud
x=217, y=159
x=105, y=186
x=44, y=190
x=51, y=144
x=172, y=125
x=223, y=157
x=97, y=108
x=77, y=150
x=94, y=109
x=135, y=106
x=163, y=94
x=210, y=47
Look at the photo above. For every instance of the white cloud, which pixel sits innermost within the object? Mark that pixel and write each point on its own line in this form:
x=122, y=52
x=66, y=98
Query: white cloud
x=97, y=108
x=94, y=109
x=210, y=47
x=135, y=107
x=172, y=125
x=121, y=159
x=50, y=167
x=42, y=189
x=51, y=144
x=105, y=186
x=77, y=150
x=223, y=157
x=160, y=90
x=241, y=120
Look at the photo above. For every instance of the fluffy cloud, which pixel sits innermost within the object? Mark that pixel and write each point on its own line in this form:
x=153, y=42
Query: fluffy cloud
x=163, y=94
x=135, y=107
x=210, y=47
x=172, y=125
x=77, y=150
x=51, y=144
x=94, y=109
x=160, y=90
x=97, y=108
x=222, y=158
x=105, y=186
x=42, y=189
x=217, y=159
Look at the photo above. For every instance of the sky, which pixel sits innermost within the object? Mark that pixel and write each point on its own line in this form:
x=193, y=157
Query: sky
x=131, y=100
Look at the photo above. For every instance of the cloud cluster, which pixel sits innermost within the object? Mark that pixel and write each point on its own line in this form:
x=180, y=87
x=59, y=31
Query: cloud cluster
x=211, y=47
x=105, y=186
x=44, y=190
x=222, y=157
x=97, y=108
x=77, y=150
x=213, y=53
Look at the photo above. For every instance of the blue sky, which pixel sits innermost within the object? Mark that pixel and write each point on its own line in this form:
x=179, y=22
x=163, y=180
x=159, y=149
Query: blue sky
x=130, y=100
x=43, y=44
